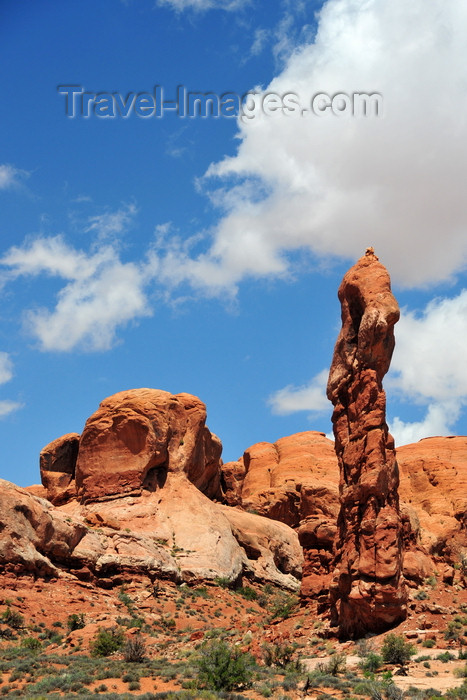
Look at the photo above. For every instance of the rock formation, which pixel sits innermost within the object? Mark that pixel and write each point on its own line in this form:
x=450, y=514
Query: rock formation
x=133, y=494
x=293, y=480
x=57, y=462
x=433, y=475
x=367, y=590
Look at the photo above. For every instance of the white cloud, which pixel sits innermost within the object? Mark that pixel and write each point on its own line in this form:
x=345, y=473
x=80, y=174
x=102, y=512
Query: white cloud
x=429, y=367
x=111, y=224
x=6, y=373
x=101, y=293
x=7, y=407
x=203, y=5
x=310, y=397
x=6, y=368
x=429, y=358
x=439, y=420
x=11, y=176
x=335, y=185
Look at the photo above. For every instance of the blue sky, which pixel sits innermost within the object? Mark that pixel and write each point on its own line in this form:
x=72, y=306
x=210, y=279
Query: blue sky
x=204, y=254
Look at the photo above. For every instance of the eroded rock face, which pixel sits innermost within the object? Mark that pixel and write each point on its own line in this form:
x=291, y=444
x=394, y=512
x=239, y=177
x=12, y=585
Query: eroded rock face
x=140, y=489
x=57, y=463
x=35, y=536
x=295, y=481
x=434, y=483
x=367, y=589
x=131, y=443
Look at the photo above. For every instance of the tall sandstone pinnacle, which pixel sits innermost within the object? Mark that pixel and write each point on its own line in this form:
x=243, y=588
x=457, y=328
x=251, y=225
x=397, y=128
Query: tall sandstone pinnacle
x=367, y=592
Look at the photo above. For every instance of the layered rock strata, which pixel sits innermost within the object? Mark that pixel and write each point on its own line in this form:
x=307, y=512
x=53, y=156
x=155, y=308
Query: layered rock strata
x=367, y=591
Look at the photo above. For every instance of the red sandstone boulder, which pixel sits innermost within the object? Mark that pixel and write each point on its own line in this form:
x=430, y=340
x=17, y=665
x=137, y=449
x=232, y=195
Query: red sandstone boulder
x=131, y=443
x=137, y=437
x=57, y=463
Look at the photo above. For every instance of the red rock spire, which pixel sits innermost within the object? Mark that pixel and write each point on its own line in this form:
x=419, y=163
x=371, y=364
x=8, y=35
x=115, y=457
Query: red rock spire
x=367, y=589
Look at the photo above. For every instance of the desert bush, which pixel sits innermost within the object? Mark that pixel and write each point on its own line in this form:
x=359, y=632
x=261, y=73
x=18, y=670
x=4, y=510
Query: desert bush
x=428, y=643
x=396, y=650
x=75, y=622
x=134, y=650
x=282, y=606
x=247, y=592
x=277, y=654
x=454, y=631
x=445, y=657
x=365, y=647
x=107, y=641
x=31, y=643
x=221, y=667
x=372, y=662
x=335, y=665
x=12, y=618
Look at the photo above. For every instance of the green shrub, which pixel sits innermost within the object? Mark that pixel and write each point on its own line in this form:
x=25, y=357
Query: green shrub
x=222, y=582
x=107, y=641
x=336, y=664
x=282, y=606
x=421, y=595
x=12, y=618
x=134, y=650
x=221, y=667
x=445, y=657
x=428, y=643
x=75, y=622
x=247, y=592
x=277, y=654
x=454, y=630
x=126, y=600
x=372, y=662
x=396, y=650
x=31, y=643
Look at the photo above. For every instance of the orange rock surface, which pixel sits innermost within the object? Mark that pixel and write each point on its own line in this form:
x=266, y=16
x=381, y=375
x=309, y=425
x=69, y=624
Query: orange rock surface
x=137, y=437
x=367, y=592
x=434, y=482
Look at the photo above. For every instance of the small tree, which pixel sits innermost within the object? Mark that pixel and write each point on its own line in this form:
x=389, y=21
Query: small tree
x=107, y=641
x=221, y=667
x=396, y=650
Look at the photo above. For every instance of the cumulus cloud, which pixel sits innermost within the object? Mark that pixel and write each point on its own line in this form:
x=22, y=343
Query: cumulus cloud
x=429, y=366
x=335, y=185
x=439, y=420
x=428, y=370
x=6, y=373
x=11, y=176
x=310, y=397
x=100, y=294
